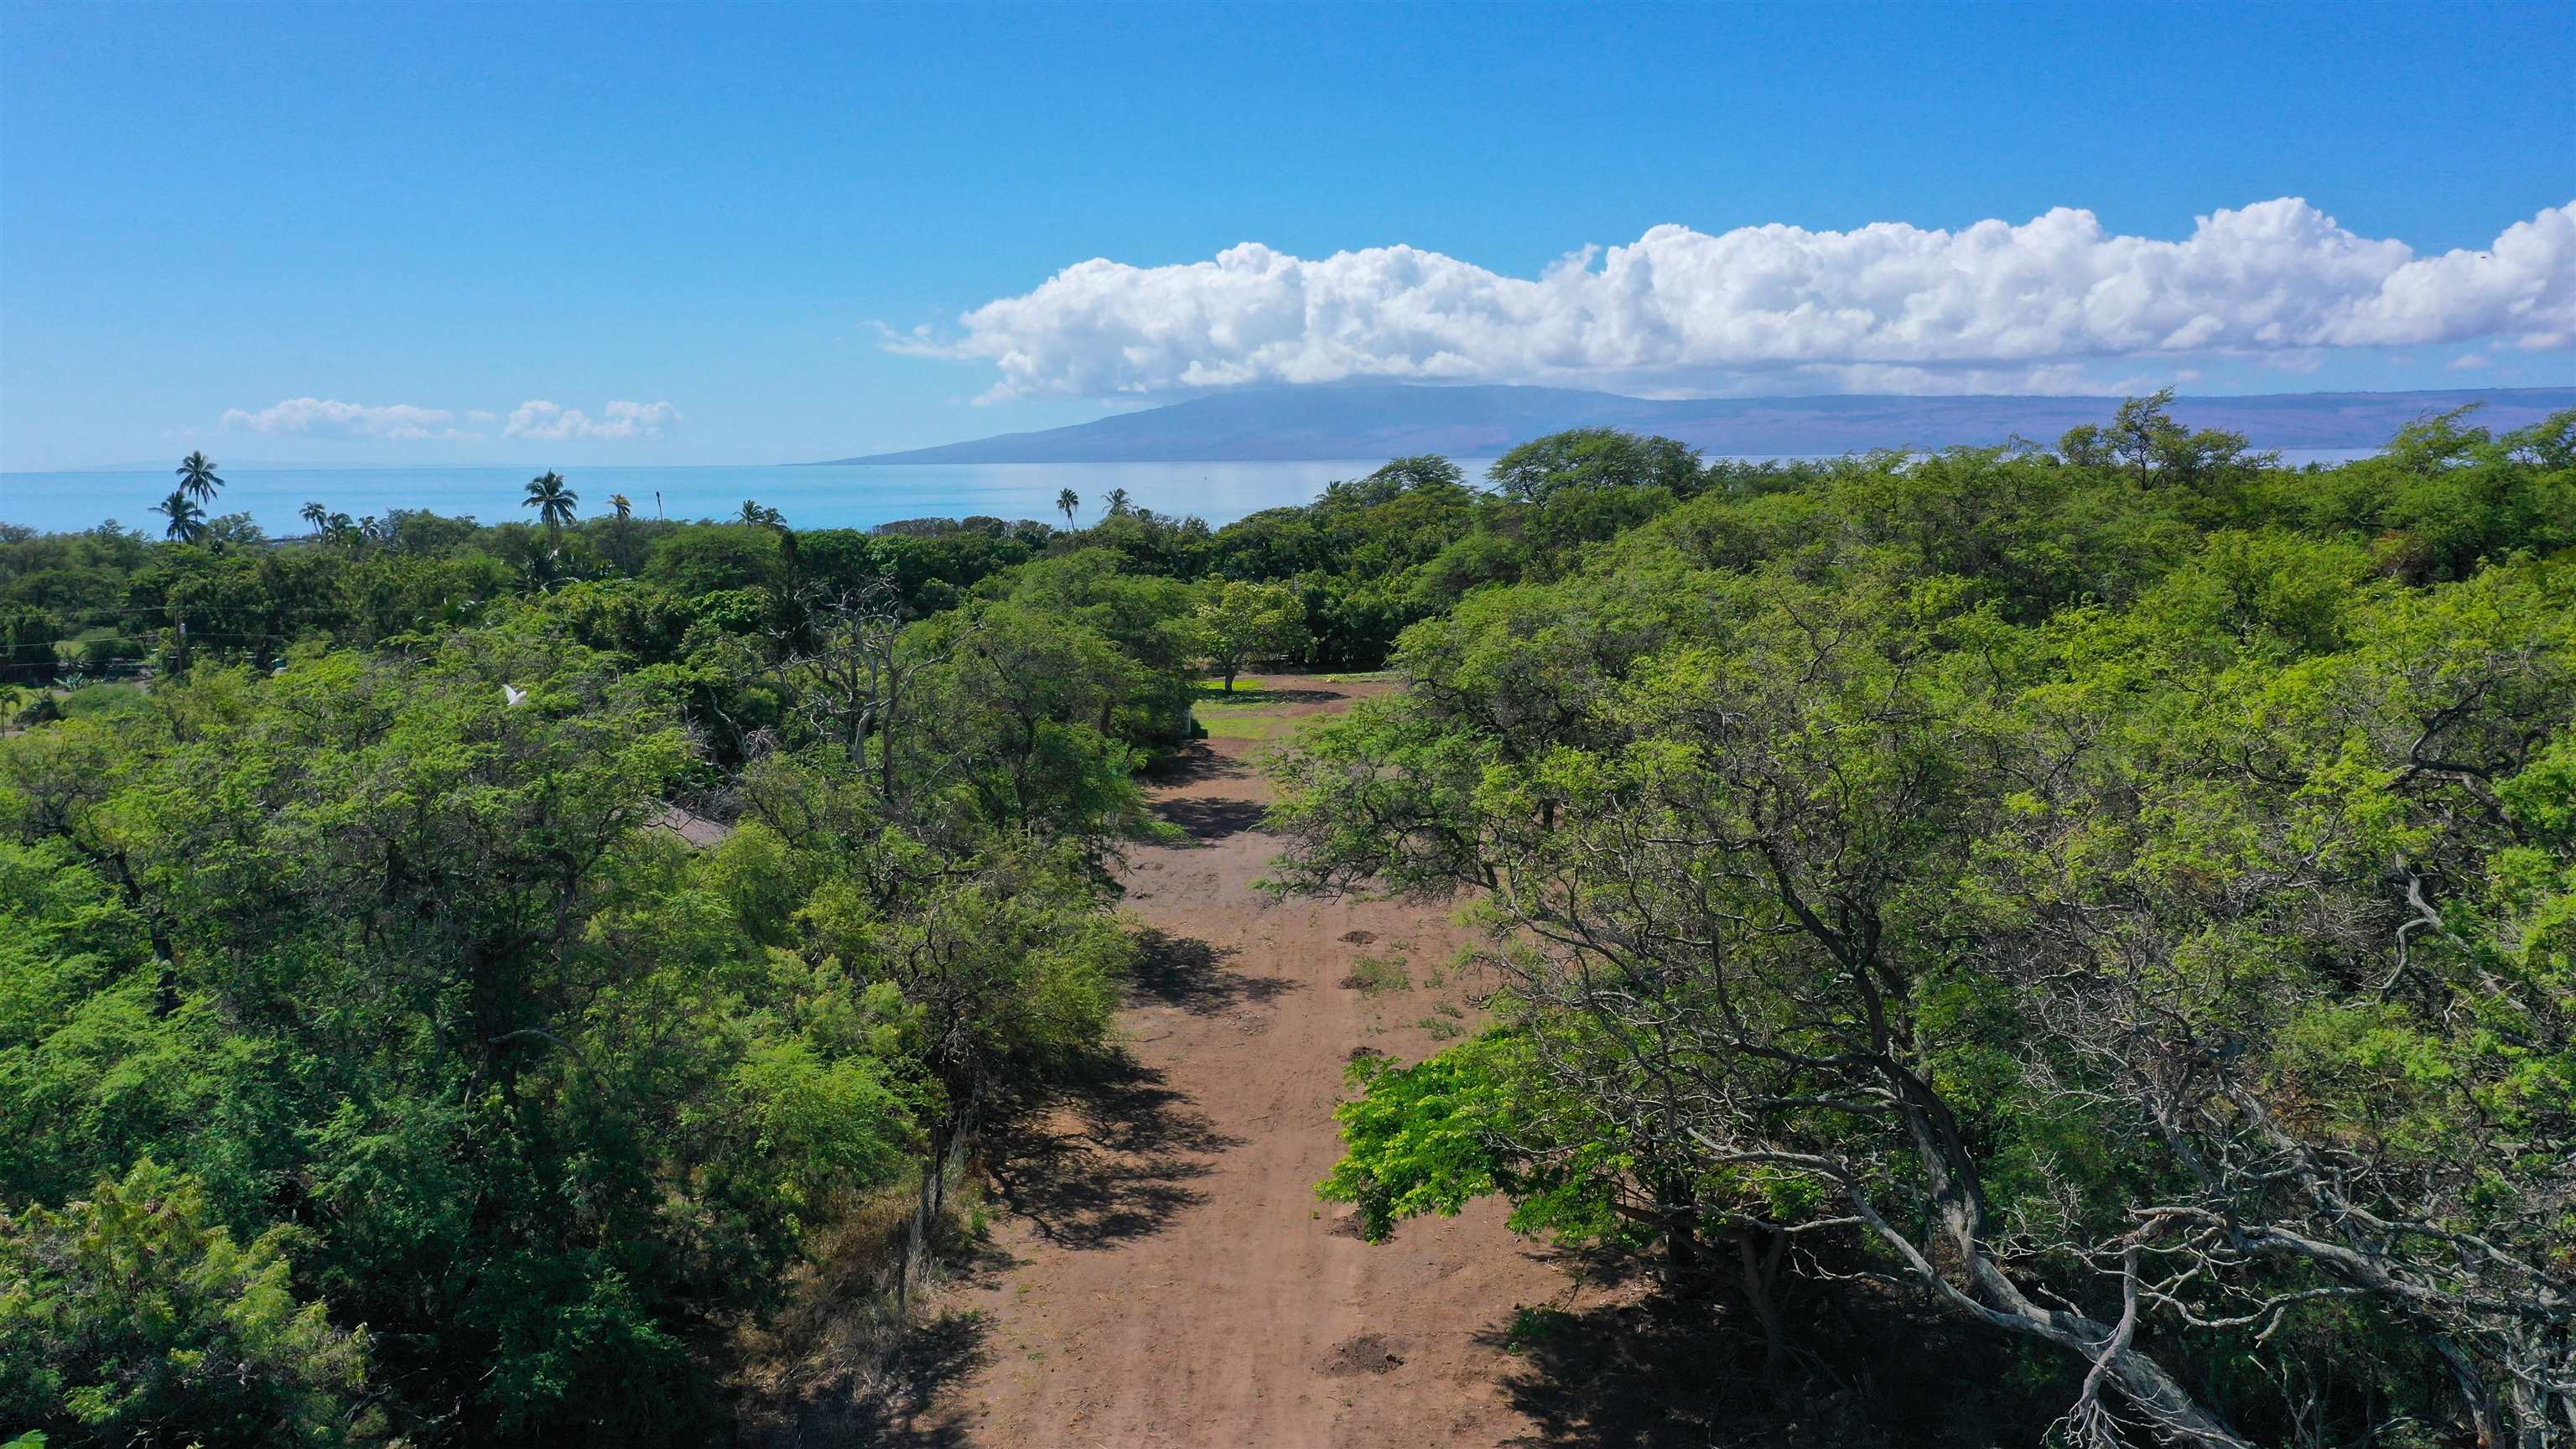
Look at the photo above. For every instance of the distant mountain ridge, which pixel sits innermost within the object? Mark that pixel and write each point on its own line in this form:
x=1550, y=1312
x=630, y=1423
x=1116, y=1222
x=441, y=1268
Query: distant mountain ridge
x=1393, y=420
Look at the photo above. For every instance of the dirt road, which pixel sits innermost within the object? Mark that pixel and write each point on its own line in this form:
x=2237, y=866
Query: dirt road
x=1165, y=1275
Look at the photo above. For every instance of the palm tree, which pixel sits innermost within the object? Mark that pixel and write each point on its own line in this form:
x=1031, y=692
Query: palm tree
x=1119, y=507
x=1068, y=500
x=197, y=477
x=624, y=508
x=753, y=513
x=187, y=520
x=552, y=500
x=540, y=568
x=315, y=515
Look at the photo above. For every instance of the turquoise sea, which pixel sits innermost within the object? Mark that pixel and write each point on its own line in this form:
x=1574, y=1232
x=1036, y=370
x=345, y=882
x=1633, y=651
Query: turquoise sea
x=810, y=497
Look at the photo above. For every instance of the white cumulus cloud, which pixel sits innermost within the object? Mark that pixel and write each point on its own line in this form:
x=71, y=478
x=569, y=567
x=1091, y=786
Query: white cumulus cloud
x=540, y=419
x=329, y=418
x=1991, y=305
x=537, y=418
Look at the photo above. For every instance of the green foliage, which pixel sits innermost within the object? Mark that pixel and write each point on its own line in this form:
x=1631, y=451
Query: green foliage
x=1974, y=865
x=1989, y=863
x=1237, y=623
x=1423, y=1139
x=1534, y=1325
x=1595, y=459
x=1478, y=1120
x=553, y=500
x=132, y=1318
x=1378, y=975
x=390, y=960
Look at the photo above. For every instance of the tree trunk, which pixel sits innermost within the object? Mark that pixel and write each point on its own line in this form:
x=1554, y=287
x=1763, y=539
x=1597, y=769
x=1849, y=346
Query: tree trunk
x=2473, y=1390
x=1681, y=1250
x=916, y=1238
x=1975, y=1282
x=1761, y=1271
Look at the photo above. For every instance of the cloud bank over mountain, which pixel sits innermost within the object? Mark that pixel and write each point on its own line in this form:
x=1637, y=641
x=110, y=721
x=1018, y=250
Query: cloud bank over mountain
x=1888, y=307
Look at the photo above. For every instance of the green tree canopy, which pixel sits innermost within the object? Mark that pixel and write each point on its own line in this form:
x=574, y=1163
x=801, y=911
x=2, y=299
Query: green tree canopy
x=1238, y=622
x=133, y=1317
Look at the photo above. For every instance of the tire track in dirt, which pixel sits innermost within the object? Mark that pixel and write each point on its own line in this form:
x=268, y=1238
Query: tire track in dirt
x=1164, y=1274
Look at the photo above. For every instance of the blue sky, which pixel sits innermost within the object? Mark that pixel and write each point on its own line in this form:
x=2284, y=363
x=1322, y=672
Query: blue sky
x=759, y=231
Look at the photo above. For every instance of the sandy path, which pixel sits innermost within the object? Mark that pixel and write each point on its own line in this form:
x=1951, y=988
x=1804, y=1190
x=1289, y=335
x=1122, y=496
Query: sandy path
x=1171, y=1279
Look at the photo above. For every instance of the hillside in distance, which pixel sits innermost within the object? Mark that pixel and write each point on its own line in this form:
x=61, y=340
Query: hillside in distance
x=1391, y=420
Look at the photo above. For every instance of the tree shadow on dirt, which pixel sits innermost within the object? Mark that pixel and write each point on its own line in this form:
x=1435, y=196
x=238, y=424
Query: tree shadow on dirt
x=1668, y=1373
x=1208, y=821
x=1192, y=766
x=1189, y=973
x=897, y=1406
x=1618, y=1377
x=1109, y=1161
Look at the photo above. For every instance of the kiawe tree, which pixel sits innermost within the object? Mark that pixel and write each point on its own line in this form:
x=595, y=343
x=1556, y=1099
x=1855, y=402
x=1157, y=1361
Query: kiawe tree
x=1595, y=458
x=1718, y=899
x=1237, y=622
x=133, y=1317
x=2144, y=438
x=2178, y=984
x=534, y=1152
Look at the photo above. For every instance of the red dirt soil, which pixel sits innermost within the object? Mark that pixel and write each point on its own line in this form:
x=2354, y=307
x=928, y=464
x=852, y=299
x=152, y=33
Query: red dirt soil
x=1168, y=1276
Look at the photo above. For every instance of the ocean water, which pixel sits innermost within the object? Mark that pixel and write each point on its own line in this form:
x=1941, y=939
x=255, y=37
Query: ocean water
x=851, y=497
x=832, y=497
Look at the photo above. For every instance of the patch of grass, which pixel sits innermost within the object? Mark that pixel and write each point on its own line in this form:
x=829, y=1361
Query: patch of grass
x=1373, y=676
x=1378, y=975
x=1221, y=724
x=1441, y=1028
x=1534, y=1326
x=104, y=699
x=1247, y=714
